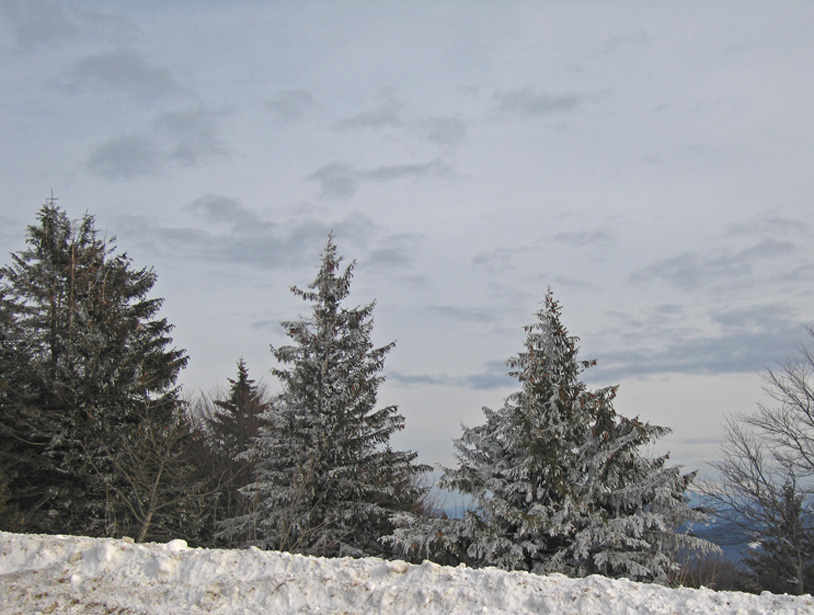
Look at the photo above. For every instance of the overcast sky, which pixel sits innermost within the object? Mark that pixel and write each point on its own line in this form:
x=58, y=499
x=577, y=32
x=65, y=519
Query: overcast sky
x=651, y=162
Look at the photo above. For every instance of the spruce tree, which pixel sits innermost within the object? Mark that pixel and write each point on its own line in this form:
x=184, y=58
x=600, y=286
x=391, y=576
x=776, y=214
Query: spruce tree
x=556, y=477
x=231, y=425
x=86, y=361
x=326, y=477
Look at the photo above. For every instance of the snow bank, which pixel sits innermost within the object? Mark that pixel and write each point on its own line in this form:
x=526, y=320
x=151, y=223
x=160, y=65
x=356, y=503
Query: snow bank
x=69, y=574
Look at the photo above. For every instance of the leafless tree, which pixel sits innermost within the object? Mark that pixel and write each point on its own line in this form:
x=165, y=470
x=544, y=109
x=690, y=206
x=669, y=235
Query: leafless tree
x=155, y=489
x=766, y=486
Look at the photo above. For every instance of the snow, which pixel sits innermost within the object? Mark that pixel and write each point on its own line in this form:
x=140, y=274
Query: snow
x=70, y=574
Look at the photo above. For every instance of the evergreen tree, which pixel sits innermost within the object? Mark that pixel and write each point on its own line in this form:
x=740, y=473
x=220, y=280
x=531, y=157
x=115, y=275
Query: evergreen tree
x=85, y=361
x=556, y=477
x=231, y=427
x=326, y=477
x=236, y=420
x=782, y=558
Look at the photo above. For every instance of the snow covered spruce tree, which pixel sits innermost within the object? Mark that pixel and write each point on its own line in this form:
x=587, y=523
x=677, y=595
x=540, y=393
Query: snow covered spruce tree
x=85, y=363
x=557, y=480
x=326, y=477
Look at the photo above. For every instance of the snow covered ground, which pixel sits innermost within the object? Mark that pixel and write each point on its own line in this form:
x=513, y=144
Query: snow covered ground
x=69, y=574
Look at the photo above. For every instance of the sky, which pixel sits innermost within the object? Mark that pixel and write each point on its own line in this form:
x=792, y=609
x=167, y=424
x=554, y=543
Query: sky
x=651, y=163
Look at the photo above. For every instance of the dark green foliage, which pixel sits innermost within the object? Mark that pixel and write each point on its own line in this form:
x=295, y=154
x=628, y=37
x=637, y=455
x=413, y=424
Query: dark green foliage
x=326, y=478
x=230, y=427
x=782, y=558
x=85, y=361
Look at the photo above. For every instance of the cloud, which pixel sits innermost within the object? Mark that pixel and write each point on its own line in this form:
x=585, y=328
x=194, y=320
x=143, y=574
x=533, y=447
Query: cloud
x=638, y=39
x=528, y=103
x=190, y=137
x=221, y=210
x=444, y=130
x=583, y=238
x=292, y=105
x=723, y=266
x=125, y=158
x=34, y=24
x=386, y=115
x=480, y=316
x=126, y=71
x=338, y=180
x=434, y=168
x=37, y=23
x=195, y=134
x=396, y=250
x=500, y=259
x=744, y=340
x=770, y=224
x=571, y=282
x=495, y=376
x=223, y=231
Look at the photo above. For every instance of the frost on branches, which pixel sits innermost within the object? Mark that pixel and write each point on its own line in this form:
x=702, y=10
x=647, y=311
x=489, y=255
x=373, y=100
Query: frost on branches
x=557, y=480
x=326, y=478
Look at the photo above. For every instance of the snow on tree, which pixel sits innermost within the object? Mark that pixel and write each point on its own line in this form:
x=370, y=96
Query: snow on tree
x=326, y=477
x=557, y=480
x=86, y=361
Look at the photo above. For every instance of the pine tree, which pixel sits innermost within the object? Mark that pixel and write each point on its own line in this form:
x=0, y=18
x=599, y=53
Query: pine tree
x=230, y=428
x=556, y=477
x=326, y=477
x=782, y=559
x=237, y=419
x=86, y=361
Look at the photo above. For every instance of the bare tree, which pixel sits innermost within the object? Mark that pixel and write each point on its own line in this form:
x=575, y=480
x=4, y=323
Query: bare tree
x=155, y=489
x=766, y=486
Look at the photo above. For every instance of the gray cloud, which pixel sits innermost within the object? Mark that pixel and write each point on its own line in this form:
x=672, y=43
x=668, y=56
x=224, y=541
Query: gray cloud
x=339, y=180
x=125, y=158
x=218, y=209
x=770, y=224
x=395, y=251
x=386, y=115
x=630, y=40
x=494, y=376
x=583, y=238
x=500, y=259
x=480, y=316
x=527, y=103
x=748, y=340
x=433, y=168
x=37, y=23
x=265, y=325
x=723, y=266
x=34, y=24
x=736, y=352
x=292, y=104
x=444, y=130
x=126, y=71
x=571, y=282
x=195, y=134
x=190, y=137
x=224, y=232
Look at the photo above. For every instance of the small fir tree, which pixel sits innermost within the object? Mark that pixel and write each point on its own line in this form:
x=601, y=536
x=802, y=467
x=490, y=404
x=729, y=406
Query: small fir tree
x=326, y=478
x=557, y=479
x=231, y=425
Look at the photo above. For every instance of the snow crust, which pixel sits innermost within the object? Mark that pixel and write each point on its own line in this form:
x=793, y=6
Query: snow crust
x=70, y=574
